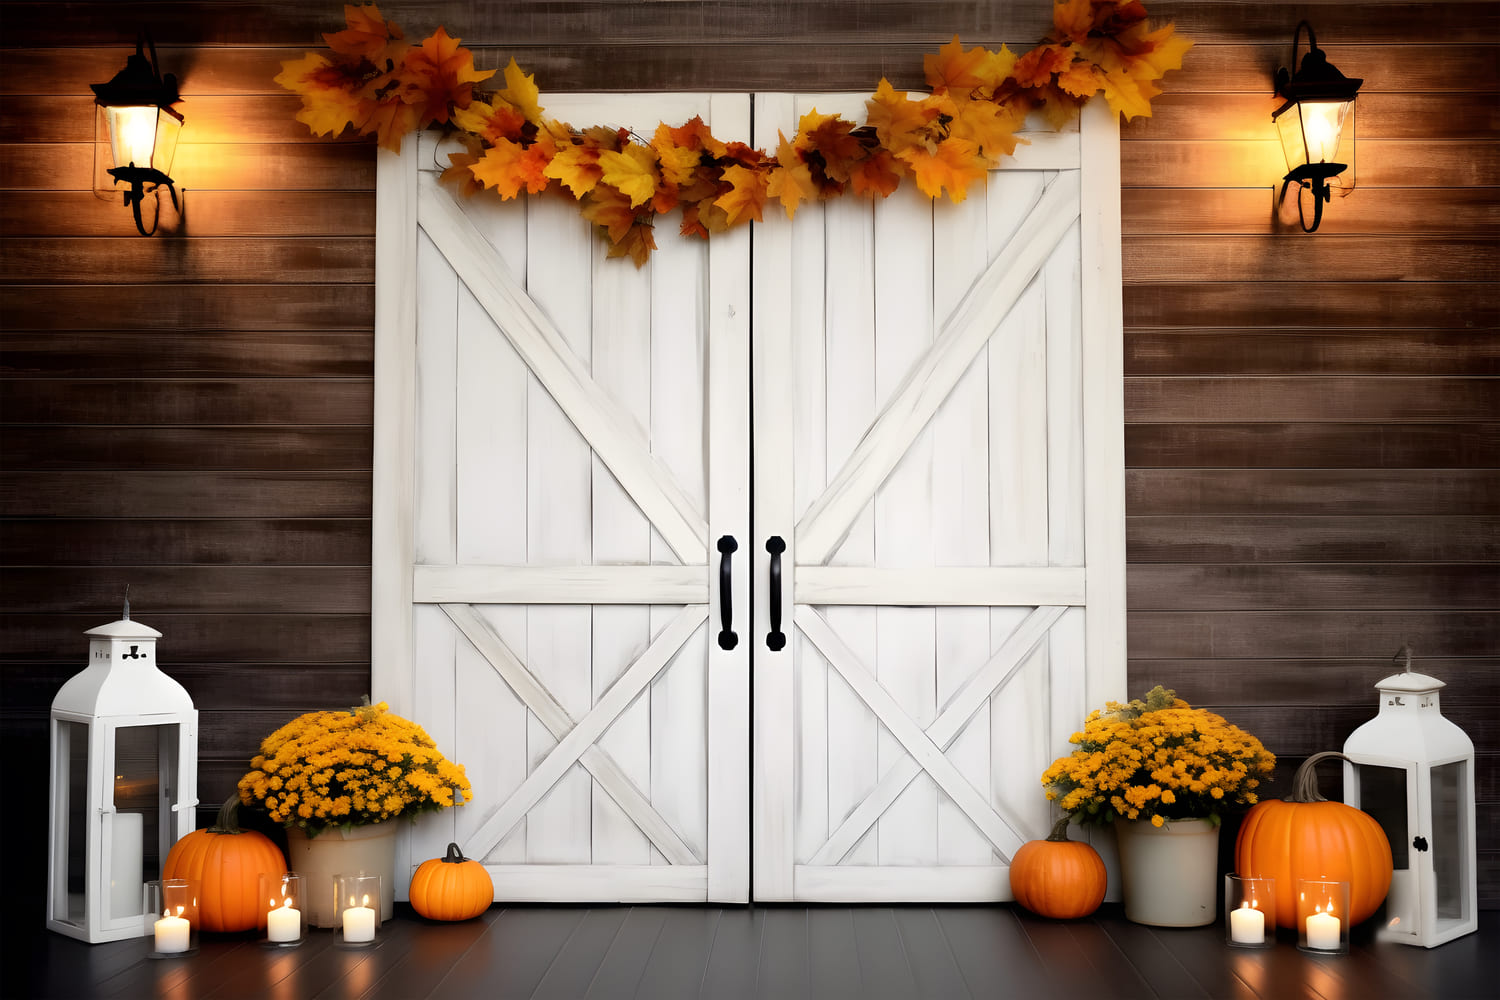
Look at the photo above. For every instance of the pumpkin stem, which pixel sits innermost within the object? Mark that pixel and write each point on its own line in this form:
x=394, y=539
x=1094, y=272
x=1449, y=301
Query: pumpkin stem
x=1305, y=781
x=228, y=820
x=1060, y=829
x=454, y=855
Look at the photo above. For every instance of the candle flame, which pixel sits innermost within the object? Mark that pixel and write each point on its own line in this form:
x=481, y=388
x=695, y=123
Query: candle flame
x=286, y=902
x=365, y=901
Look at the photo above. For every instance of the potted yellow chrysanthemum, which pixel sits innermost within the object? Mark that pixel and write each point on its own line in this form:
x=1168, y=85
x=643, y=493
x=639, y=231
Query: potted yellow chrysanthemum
x=1164, y=774
x=336, y=781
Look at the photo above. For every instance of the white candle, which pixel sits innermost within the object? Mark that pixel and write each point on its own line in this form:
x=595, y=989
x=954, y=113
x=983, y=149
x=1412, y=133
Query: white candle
x=284, y=923
x=359, y=924
x=1247, y=925
x=1323, y=932
x=125, y=865
x=171, y=935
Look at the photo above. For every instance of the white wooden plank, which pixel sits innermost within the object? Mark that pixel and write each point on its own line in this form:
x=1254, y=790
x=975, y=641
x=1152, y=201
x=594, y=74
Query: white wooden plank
x=905, y=663
x=962, y=336
x=1102, y=323
x=595, y=884
x=560, y=584
x=621, y=366
x=995, y=827
x=392, y=671
x=538, y=340
x=773, y=780
x=578, y=740
x=493, y=720
x=489, y=385
x=925, y=884
x=1060, y=279
x=613, y=779
x=961, y=513
x=558, y=512
x=729, y=685
x=435, y=704
x=963, y=586
x=850, y=391
x=435, y=522
x=1013, y=650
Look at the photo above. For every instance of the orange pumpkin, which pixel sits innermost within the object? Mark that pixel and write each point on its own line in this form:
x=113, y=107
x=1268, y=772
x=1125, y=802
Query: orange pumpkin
x=1057, y=877
x=227, y=862
x=1308, y=836
x=452, y=887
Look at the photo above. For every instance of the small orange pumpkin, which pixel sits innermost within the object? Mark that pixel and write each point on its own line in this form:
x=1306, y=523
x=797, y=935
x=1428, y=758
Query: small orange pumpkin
x=227, y=862
x=1057, y=877
x=452, y=887
x=1308, y=836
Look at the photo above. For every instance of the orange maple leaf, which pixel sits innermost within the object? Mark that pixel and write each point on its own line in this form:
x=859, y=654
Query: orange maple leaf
x=389, y=119
x=491, y=121
x=368, y=34
x=791, y=180
x=877, y=174
x=508, y=167
x=746, y=197
x=1074, y=19
x=637, y=244
x=990, y=127
x=831, y=141
x=1035, y=68
x=954, y=165
x=608, y=208
x=577, y=167
x=632, y=171
x=693, y=134
x=438, y=74
x=899, y=122
x=957, y=70
x=458, y=172
x=678, y=163
x=1081, y=79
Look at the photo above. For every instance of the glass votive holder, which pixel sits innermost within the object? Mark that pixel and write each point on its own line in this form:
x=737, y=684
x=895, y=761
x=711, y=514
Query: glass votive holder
x=1249, y=911
x=1323, y=916
x=284, y=909
x=357, y=907
x=174, y=932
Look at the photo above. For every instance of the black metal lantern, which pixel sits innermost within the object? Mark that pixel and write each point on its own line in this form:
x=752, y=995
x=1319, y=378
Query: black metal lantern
x=1318, y=108
x=135, y=133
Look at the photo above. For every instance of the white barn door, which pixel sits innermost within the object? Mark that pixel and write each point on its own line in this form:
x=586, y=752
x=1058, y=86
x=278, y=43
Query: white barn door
x=561, y=442
x=938, y=457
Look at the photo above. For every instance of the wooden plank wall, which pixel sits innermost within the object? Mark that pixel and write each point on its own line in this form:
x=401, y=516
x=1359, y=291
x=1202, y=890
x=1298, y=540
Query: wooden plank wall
x=1313, y=431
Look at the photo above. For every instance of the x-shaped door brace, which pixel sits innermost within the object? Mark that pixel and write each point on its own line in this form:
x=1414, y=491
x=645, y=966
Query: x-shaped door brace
x=926, y=747
x=576, y=741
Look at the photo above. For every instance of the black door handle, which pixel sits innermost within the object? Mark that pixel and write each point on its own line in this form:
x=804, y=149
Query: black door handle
x=776, y=639
x=727, y=638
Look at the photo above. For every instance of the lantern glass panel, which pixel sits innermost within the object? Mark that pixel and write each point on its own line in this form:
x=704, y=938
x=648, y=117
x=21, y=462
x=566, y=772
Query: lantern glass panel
x=1382, y=794
x=144, y=766
x=70, y=850
x=1450, y=824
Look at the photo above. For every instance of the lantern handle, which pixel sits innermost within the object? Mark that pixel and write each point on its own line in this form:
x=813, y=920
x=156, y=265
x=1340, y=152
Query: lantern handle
x=1406, y=651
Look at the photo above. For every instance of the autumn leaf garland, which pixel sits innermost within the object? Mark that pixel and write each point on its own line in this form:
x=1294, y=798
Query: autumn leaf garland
x=374, y=81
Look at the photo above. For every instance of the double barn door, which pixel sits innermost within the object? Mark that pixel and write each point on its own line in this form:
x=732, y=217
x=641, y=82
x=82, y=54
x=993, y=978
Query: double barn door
x=777, y=569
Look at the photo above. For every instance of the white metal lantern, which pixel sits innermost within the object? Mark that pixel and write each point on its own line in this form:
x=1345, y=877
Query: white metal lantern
x=124, y=784
x=1413, y=770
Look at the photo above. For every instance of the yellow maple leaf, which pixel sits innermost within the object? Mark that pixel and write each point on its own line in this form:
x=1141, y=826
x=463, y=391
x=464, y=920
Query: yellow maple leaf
x=1129, y=96
x=997, y=68
x=490, y=120
x=1073, y=19
x=522, y=93
x=329, y=99
x=990, y=127
x=677, y=163
x=954, y=165
x=791, y=180
x=746, y=197
x=577, y=167
x=608, y=208
x=1081, y=79
x=955, y=69
x=632, y=171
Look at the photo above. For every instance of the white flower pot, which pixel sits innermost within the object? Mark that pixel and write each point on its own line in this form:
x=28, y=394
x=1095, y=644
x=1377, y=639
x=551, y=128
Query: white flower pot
x=364, y=849
x=1169, y=874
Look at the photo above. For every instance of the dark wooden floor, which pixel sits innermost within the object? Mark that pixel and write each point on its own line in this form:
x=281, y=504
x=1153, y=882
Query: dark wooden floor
x=779, y=953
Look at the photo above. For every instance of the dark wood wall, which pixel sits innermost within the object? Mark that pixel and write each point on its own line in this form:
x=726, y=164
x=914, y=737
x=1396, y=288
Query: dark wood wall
x=1312, y=422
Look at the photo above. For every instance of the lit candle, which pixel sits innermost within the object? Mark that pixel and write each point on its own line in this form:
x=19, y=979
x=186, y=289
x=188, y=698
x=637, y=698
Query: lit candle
x=172, y=934
x=359, y=923
x=1323, y=932
x=284, y=923
x=1247, y=925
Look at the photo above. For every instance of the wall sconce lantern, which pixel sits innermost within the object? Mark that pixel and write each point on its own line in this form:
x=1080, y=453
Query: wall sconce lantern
x=124, y=777
x=1413, y=770
x=135, y=133
x=1318, y=104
